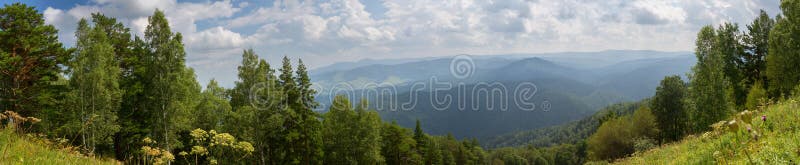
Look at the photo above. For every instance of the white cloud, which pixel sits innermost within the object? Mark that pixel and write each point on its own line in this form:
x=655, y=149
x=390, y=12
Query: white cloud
x=323, y=32
x=214, y=38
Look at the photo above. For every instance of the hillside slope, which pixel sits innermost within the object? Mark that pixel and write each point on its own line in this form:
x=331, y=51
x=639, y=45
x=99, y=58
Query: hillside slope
x=569, y=133
x=778, y=142
x=21, y=150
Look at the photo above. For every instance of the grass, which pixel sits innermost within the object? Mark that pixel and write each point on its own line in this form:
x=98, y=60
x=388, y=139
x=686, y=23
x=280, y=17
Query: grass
x=778, y=142
x=17, y=149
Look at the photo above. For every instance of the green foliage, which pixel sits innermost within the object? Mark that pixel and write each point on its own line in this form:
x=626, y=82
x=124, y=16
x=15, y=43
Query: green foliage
x=616, y=138
x=351, y=136
x=398, y=145
x=302, y=128
x=257, y=114
x=18, y=149
x=729, y=49
x=94, y=83
x=643, y=144
x=756, y=97
x=212, y=107
x=30, y=55
x=776, y=142
x=708, y=83
x=669, y=108
x=753, y=64
x=569, y=133
x=170, y=87
x=559, y=154
x=782, y=61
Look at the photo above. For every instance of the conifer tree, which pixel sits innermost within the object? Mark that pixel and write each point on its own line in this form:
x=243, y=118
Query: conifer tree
x=756, y=43
x=30, y=55
x=302, y=126
x=731, y=51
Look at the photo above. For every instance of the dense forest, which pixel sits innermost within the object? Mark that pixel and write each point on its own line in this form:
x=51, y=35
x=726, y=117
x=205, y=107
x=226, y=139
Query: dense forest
x=133, y=99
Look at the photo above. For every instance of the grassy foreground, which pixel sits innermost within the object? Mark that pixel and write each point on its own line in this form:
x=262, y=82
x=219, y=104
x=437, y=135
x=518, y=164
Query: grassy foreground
x=16, y=149
x=774, y=141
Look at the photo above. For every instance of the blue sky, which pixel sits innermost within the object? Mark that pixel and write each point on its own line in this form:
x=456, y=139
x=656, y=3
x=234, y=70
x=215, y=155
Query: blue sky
x=329, y=31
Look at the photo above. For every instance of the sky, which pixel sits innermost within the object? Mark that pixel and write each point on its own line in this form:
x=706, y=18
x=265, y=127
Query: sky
x=325, y=32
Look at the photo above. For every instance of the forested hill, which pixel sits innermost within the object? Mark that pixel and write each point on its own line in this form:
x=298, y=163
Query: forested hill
x=118, y=95
x=570, y=133
x=575, y=84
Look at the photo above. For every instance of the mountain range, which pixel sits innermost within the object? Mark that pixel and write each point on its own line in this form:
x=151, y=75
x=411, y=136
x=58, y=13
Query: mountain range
x=566, y=87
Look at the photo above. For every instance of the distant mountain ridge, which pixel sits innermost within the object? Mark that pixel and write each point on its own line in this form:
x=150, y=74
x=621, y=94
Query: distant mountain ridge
x=577, y=83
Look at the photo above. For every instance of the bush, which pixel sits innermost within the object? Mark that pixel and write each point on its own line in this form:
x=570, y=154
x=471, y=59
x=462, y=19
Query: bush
x=643, y=144
x=756, y=96
x=617, y=138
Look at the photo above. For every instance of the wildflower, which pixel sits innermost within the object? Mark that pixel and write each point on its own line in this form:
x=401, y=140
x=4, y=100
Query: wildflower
x=183, y=153
x=145, y=149
x=245, y=146
x=224, y=139
x=147, y=140
x=764, y=118
x=199, y=135
x=213, y=161
x=199, y=150
x=166, y=155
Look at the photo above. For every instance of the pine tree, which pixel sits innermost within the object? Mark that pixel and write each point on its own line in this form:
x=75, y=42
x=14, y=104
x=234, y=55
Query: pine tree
x=257, y=116
x=304, y=87
x=94, y=80
x=731, y=52
x=757, y=45
x=30, y=55
x=249, y=76
x=134, y=119
x=302, y=127
x=422, y=145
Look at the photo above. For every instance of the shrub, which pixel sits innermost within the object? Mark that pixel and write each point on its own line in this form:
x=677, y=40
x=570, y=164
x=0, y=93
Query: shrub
x=618, y=137
x=643, y=144
x=756, y=97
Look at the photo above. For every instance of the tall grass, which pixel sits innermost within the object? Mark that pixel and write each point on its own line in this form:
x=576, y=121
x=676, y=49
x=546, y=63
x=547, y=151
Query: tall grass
x=26, y=149
x=774, y=141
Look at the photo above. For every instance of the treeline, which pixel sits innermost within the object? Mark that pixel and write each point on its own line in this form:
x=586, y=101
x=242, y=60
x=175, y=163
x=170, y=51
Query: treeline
x=736, y=71
x=132, y=98
x=570, y=133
